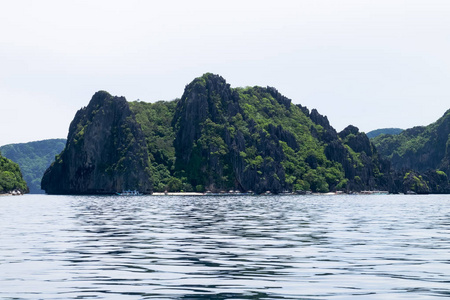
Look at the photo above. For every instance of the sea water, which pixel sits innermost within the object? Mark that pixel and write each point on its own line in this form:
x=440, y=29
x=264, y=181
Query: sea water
x=253, y=247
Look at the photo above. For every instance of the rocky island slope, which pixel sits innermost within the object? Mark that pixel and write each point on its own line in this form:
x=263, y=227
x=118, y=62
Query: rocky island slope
x=213, y=138
x=105, y=152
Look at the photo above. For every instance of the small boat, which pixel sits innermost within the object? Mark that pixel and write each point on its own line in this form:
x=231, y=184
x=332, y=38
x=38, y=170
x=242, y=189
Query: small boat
x=129, y=193
x=374, y=193
x=230, y=193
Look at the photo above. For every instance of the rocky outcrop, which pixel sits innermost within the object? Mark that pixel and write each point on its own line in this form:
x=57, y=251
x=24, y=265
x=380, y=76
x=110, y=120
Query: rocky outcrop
x=356, y=140
x=432, y=181
x=207, y=100
x=105, y=152
x=228, y=139
x=200, y=121
x=220, y=138
x=213, y=134
x=364, y=169
x=267, y=174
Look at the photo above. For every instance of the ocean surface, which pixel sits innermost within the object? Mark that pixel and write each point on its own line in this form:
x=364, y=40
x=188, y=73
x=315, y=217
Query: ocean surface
x=255, y=247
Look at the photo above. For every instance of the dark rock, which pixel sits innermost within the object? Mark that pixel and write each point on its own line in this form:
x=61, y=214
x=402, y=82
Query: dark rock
x=304, y=109
x=437, y=181
x=350, y=129
x=278, y=133
x=414, y=182
x=280, y=98
x=105, y=152
x=206, y=97
x=207, y=153
x=329, y=133
x=358, y=141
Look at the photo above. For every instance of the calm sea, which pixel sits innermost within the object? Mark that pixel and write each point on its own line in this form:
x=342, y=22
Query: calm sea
x=274, y=247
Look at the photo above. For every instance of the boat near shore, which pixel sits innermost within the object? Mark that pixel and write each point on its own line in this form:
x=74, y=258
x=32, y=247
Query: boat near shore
x=129, y=193
x=374, y=193
x=12, y=193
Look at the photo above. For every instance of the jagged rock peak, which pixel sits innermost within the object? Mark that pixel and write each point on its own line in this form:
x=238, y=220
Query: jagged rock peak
x=304, y=109
x=206, y=97
x=358, y=141
x=99, y=97
x=98, y=100
x=319, y=119
x=279, y=97
x=350, y=129
x=105, y=152
x=209, y=90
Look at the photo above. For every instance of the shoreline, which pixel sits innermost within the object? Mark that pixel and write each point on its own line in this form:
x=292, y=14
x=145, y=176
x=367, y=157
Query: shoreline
x=268, y=194
x=177, y=194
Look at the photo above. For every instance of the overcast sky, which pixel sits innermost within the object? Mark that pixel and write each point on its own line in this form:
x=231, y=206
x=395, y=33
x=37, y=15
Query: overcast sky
x=372, y=64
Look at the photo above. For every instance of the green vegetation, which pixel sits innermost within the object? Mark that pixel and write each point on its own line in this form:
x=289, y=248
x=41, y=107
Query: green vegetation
x=11, y=177
x=254, y=138
x=219, y=138
x=156, y=124
x=215, y=138
x=34, y=158
x=305, y=164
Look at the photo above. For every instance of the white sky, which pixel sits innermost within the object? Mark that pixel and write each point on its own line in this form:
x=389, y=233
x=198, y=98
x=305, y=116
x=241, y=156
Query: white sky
x=372, y=64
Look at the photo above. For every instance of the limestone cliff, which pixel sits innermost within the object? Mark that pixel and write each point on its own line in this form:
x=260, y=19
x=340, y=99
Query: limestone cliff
x=202, y=142
x=255, y=139
x=105, y=152
x=217, y=138
x=363, y=167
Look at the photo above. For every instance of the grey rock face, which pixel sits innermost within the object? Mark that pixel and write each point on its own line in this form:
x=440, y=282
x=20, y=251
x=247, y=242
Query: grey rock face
x=105, y=152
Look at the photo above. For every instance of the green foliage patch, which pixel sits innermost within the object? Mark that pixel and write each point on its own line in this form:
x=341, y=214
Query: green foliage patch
x=10, y=176
x=155, y=120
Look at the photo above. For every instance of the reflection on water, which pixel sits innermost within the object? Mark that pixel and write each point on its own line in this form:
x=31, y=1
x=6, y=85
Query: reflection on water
x=296, y=247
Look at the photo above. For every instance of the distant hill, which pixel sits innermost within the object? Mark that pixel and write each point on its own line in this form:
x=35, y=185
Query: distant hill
x=374, y=133
x=34, y=158
x=11, y=177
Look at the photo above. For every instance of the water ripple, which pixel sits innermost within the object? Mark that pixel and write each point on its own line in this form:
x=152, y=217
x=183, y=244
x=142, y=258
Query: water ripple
x=306, y=247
